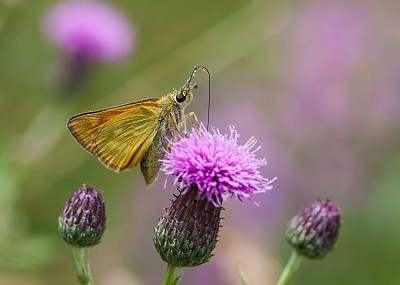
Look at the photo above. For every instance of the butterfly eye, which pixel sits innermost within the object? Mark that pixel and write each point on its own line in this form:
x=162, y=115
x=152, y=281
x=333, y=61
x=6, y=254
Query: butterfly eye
x=180, y=97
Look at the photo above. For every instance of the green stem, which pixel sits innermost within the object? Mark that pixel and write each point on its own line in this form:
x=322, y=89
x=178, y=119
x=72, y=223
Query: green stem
x=242, y=277
x=82, y=265
x=291, y=266
x=171, y=275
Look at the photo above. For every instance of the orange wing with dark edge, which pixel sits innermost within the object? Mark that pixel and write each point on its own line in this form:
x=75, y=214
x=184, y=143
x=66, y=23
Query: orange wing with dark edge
x=118, y=136
x=122, y=142
x=84, y=127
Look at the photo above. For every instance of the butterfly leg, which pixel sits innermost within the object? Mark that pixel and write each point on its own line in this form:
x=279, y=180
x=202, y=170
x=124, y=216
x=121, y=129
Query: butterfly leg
x=190, y=116
x=175, y=125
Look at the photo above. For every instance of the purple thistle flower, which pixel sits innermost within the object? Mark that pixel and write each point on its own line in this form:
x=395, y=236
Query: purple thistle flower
x=93, y=29
x=315, y=228
x=209, y=167
x=216, y=165
x=83, y=220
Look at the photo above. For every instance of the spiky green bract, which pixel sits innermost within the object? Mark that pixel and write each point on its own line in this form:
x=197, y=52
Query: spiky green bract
x=83, y=220
x=187, y=233
x=315, y=228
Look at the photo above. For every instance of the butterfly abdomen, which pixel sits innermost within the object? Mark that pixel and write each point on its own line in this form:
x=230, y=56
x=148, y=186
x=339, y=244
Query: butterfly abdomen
x=150, y=164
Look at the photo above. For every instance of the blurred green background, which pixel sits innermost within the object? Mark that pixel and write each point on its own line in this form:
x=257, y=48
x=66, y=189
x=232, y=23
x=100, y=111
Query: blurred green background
x=316, y=82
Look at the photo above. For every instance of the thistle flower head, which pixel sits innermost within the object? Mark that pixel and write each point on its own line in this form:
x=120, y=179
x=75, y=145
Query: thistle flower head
x=315, y=228
x=89, y=28
x=187, y=233
x=83, y=220
x=217, y=165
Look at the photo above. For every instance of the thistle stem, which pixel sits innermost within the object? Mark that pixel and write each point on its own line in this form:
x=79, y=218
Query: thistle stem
x=291, y=266
x=171, y=275
x=242, y=277
x=82, y=265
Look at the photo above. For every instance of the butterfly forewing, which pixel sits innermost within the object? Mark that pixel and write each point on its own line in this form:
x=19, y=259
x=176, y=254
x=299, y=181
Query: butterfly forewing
x=90, y=130
x=122, y=141
x=85, y=126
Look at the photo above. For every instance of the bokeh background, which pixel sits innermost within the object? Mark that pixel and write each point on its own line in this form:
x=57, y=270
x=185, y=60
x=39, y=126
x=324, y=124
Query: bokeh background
x=316, y=82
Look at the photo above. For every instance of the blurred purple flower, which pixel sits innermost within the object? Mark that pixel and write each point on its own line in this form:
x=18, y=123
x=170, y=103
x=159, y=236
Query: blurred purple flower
x=217, y=166
x=342, y=98
x=338, y=75
x=89, y=28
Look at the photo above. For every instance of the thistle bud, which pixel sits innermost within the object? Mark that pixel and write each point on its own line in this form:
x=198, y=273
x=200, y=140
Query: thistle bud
x=314, y=230
x=83, y=219
x=187, y=233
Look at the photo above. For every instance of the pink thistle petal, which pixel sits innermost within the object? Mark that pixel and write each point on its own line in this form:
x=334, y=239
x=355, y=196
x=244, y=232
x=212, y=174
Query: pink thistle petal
x=217, y=165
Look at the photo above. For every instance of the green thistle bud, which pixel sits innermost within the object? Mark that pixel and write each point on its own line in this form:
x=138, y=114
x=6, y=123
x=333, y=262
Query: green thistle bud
x=83, y=219
x=315, y=228
x=187, y=233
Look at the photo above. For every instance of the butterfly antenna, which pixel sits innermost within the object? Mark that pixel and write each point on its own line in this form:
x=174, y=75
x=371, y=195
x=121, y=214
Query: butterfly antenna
x=209, y=89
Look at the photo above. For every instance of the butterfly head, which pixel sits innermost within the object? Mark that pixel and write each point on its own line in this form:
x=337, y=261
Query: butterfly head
x=184, y=96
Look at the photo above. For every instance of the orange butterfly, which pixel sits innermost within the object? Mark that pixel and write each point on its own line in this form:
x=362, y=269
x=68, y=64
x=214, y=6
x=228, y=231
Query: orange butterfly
x=126, y=135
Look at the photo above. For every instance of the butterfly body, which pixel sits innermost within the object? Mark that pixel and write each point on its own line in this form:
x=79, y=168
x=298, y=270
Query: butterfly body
x=150, y=164
x=126, y=135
